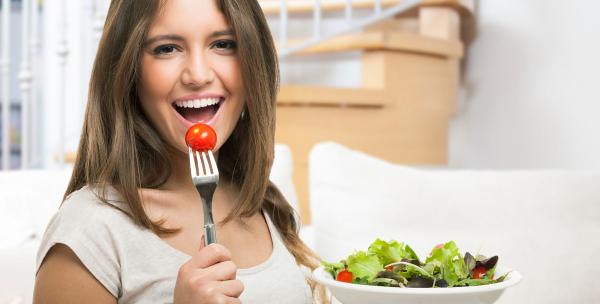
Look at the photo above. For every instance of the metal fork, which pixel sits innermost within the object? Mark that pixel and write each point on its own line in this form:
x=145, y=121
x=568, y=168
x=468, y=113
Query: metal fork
x=205, y=179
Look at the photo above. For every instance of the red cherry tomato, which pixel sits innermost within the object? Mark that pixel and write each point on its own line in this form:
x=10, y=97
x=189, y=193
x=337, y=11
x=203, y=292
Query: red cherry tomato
x=438, y=246
x=478, y=272
x=201, y=137
x=344, y=276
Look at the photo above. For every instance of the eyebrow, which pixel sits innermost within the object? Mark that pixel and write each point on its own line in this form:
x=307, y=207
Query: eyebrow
x=227, y=32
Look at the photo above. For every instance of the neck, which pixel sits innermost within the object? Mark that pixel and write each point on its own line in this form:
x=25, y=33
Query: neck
x=180, y=178
x=180, y=171
x=180, y=181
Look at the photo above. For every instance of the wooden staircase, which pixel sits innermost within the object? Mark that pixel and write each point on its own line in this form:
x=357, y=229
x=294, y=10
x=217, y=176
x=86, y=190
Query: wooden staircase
x=410, y=79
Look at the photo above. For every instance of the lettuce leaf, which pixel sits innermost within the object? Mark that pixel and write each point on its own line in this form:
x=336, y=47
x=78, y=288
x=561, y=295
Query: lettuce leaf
x=448, y=263
x=483, y=281
x=444, y=267
x=333, y=268
x=364, y=265
x=390, y=252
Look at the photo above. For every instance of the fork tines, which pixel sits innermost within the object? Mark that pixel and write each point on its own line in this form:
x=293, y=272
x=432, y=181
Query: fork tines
x=203, y=163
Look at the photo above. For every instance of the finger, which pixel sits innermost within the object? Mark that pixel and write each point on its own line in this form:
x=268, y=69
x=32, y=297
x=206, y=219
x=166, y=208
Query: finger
x=210, y=255
x=223, y=271
x=231, y=288
x=230, y=300
x=221, y=292
x=228, y=290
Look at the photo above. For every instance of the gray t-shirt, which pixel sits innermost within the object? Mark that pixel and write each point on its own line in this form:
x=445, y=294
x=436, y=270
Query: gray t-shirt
x=136, y=266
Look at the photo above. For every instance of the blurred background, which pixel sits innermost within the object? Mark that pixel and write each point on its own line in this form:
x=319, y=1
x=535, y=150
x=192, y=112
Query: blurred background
x=515, y=78
x=436, y=84
x=524, y=96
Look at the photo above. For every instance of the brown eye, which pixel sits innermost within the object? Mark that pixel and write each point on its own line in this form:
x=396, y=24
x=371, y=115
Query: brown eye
x=164, y=49
x=228, y=45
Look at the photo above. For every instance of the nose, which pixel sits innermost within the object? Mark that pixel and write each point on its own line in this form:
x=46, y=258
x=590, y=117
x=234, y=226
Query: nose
x=197, y=71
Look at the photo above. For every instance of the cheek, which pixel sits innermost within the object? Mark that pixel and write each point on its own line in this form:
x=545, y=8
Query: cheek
x=157, y=79
x=156, y=82
x=231, y=75
x=233, y=81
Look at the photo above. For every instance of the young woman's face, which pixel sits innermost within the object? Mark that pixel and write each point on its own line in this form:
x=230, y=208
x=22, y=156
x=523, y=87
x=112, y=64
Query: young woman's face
x=190, y=72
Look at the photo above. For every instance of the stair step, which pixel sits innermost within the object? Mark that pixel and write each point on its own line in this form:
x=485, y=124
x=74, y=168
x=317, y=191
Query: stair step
x=272, y=7
x=394, y=41
x=301, y=95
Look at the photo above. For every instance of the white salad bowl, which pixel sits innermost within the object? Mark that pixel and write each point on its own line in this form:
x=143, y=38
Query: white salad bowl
x=348, y=293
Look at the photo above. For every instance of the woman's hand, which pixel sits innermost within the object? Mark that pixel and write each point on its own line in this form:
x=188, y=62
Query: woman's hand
x=207, y=278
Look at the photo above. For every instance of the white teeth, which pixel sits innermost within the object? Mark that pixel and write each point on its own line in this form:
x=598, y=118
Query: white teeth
x=197, y=103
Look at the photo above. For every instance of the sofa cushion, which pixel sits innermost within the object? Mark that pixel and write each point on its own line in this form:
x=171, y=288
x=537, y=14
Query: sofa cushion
x=28, y=199
x=17, y=273
x=281, y=174
x=542, y=223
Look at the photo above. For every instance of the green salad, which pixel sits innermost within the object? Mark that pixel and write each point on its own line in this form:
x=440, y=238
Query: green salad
x=395, y=264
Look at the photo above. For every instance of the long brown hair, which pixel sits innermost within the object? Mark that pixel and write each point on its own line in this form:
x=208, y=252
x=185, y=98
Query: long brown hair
x=120, y=148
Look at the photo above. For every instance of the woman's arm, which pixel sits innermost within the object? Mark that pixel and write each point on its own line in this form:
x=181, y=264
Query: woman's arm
x=63, y=279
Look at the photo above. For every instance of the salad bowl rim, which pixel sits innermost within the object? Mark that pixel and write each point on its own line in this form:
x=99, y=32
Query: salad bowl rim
x=322, y=276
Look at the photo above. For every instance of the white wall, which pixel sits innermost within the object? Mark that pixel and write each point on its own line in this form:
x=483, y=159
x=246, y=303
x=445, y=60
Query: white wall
x=530, y=96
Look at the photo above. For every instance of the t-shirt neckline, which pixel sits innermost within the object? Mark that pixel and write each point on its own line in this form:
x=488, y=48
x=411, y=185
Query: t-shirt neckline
x=242, y=271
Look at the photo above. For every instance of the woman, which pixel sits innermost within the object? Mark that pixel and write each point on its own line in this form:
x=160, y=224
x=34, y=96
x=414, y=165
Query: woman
x=130, y=227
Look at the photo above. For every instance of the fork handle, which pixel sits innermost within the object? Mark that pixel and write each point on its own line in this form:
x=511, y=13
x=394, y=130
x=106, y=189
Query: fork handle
x=210, y=234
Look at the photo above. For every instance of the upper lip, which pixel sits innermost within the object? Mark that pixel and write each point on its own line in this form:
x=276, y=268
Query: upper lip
x=199, y=96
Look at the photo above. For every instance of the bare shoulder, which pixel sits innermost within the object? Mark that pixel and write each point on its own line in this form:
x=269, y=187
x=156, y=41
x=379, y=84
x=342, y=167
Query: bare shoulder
x=62, y=278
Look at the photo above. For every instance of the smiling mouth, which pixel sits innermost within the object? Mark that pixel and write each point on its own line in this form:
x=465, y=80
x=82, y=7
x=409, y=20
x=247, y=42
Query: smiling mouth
x=198, y=110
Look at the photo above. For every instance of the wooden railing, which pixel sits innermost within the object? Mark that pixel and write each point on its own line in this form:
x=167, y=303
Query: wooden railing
x=352, y=25
x=25, y=71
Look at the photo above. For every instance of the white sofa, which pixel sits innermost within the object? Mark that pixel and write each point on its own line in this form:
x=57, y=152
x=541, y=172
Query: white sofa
x=544, y=224
x=28, y=199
